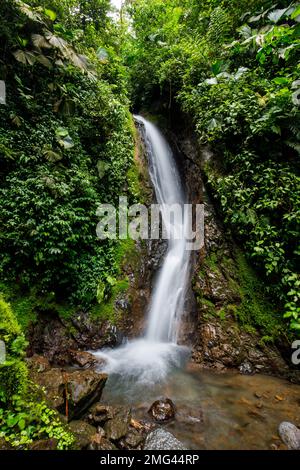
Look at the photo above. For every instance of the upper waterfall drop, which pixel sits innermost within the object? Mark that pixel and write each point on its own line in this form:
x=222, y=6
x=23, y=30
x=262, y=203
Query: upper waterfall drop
x=168, y=297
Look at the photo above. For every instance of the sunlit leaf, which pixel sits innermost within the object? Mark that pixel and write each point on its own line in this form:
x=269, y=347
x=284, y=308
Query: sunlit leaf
x=51, y=14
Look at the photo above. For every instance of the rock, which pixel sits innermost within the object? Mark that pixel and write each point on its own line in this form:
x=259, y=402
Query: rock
x=57, y=338
x=162, y=410
x=99, y=414
x=82, y=387
x=83, y=433
x=132, y=440
x=159, y=439
x=55, y=386
x=117, y=427
x=82, y=359
x=290, y=435
x=100, y=443
x=45, y=444
x=246, y=368
x=5, y=445
x=38, y=363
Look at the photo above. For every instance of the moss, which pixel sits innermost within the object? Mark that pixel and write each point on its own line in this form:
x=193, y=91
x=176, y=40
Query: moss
x=255, y=308
x=254, y=311
x=107, y=310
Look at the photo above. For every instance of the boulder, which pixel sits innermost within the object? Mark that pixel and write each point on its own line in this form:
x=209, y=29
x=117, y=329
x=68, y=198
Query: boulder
x=44, y=444
x=132, y=440
x=54, y=384
x=83, y=432
x=73, y=391
x=159, y=439
x=290, y=435
x=38, y=364
x=162, y=410
x=84, y=388
x=100, y=443
x=117, y=427
x=99, y=414
x=82, y=359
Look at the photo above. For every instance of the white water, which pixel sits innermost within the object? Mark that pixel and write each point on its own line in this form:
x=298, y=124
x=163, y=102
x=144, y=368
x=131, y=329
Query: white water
x=150, y=358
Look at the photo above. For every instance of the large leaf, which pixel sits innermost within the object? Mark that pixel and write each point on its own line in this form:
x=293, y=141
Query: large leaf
x=42, y=59
x=52, y=156
x=25, y=57
x=40, y=41
x=51, y=14
x=29, y=11
x=276, y=15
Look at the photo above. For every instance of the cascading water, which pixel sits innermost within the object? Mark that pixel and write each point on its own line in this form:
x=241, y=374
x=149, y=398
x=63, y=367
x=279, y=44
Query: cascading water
x=168, y=297
x=149, y=359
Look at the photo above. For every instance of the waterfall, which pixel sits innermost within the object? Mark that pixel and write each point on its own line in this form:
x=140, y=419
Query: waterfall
x=167, y=301
x=149, y=359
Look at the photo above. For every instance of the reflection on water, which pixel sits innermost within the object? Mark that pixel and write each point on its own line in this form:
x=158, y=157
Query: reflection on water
x=216, y=411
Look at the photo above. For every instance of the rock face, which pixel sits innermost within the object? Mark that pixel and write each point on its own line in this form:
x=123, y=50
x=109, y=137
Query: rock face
x=290, y=435
x=117, y=426
x=57, y=339
x=70, y=392
x=159, y=439
x=162, y=410
x=83, y=432
x=213, y=321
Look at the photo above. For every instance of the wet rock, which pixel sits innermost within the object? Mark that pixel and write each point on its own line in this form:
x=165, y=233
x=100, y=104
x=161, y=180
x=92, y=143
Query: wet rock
x=38, y=363
x=133, y=439
x=159, y=439
x=246, y=368
x=57, y=338
x=99, y=414
x=290, y=435
x=162, y=410
x=100, y=443
x=83, y=433
x=54, y=383
x=78, y=390
x=84, y=388
x=117, y=427
x=82, y=359
x=45, y=444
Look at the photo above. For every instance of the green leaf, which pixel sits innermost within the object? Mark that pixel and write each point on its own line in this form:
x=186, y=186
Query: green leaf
x=61, y=132
x=281, y=80
x=276, y=15
x=295, y=325
x=296, y=13
x=101, y=167
x=51, y=14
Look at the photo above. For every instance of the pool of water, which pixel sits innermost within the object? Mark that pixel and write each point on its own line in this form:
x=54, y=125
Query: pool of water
x=215, y=411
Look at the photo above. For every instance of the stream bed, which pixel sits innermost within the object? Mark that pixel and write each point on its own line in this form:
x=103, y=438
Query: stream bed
x=215, y=410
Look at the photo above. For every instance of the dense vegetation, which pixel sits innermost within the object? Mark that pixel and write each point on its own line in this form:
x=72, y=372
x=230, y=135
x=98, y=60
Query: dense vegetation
x=233, y=68
x=66, y=146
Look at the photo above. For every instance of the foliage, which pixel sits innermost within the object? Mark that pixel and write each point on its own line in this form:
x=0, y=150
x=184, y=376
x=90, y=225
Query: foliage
x=66, y=118
x=23, y=418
